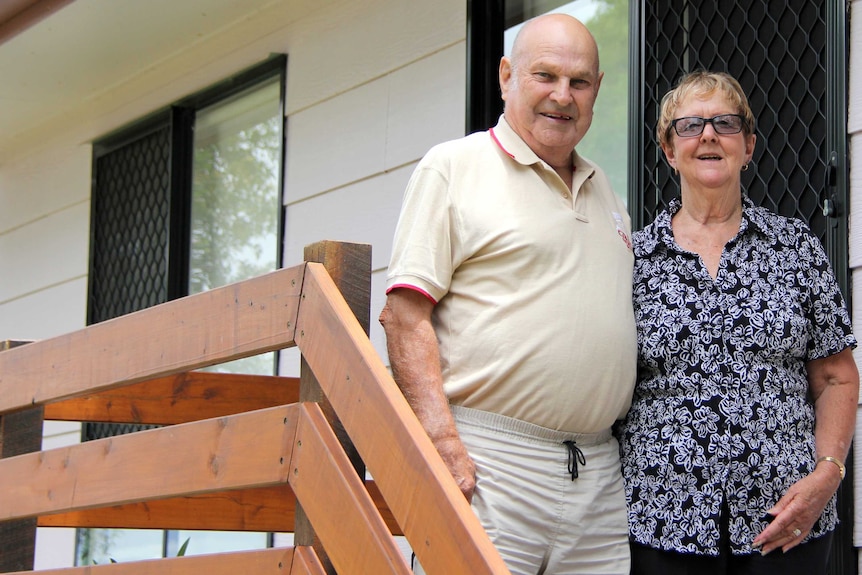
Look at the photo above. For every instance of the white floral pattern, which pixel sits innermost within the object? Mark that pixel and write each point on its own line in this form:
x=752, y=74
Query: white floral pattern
x=721, y=413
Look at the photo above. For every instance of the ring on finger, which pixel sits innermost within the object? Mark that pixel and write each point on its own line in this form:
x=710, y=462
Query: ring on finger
x=797, y=532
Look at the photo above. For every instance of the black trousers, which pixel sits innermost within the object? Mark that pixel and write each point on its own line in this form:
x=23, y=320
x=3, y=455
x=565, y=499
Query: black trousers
x=810, y=558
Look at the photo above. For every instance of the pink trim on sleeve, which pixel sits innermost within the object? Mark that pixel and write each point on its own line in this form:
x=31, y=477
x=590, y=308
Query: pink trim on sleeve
x=414, y=288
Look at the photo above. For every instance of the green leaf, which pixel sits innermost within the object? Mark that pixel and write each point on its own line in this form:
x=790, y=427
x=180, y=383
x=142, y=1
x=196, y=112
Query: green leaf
x=183, y=547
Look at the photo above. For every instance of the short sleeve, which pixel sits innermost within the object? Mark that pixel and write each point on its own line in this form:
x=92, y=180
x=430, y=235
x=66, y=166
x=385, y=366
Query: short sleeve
x=422, y=252
x=830, y=329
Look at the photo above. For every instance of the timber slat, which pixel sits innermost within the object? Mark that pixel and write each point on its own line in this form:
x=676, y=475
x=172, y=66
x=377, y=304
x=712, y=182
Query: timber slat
x=268, y=509
x=306, y=562
x=262, y=509
x=223, y=324
x=275, y=561
x=238, y=451
x=414, y=480
x=355, y=537
x=179, y=398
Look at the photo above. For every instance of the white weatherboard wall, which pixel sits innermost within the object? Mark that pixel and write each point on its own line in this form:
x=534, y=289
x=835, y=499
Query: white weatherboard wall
x=44, y=231
x=346, y=182
x=44, y=234
x=372, y=84
x=351, y=149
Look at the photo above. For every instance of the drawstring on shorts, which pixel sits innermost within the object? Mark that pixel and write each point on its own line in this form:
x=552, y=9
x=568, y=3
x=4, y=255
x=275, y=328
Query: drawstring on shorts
x=507, y=428
x=576, y=456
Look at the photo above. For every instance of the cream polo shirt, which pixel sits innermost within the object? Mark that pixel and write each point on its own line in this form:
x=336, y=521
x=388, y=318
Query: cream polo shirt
x=532, y=287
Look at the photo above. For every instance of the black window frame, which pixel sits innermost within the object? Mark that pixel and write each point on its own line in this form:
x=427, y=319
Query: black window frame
x=179, y=120
x=179, y=117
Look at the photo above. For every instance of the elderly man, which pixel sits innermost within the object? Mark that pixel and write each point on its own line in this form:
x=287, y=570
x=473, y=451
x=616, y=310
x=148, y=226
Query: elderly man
x=508, y=317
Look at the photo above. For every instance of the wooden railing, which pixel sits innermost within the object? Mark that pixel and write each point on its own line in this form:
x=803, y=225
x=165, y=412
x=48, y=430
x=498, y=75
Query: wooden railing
x=236, y=452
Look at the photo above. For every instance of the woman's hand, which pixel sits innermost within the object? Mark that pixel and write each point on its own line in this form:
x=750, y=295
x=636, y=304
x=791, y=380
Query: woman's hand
x=834, y=385
x=798, y=510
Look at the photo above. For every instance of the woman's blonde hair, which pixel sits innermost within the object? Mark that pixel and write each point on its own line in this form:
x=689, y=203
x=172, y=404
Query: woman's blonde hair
x=703, y=84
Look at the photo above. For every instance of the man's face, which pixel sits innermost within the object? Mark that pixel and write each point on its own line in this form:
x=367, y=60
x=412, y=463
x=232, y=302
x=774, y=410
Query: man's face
x=549, y=87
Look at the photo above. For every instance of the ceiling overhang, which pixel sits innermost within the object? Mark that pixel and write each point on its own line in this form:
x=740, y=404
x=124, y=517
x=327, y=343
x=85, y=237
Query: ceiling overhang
x=18, y=15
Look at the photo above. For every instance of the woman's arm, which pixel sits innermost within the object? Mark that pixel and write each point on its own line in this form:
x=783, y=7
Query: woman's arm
x=834, y=386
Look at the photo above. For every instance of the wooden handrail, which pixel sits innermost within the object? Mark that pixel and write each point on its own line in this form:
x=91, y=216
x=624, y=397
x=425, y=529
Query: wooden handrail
x=239, y=320
x=248, y=449
x=20, y=432
x=421, y=493
x=239, y=440
x=320, y=466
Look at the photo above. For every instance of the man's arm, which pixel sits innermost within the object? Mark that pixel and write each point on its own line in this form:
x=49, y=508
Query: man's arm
x=415, y=360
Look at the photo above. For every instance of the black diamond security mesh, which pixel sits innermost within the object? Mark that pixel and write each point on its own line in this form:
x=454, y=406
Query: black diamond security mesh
x=131, y=207
x=777, y=51
x=93, y=431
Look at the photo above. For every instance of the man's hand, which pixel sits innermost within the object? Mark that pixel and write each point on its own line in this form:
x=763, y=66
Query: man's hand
x=460, y=464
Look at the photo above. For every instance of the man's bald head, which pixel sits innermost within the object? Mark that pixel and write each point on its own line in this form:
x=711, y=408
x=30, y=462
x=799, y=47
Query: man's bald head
x=550, y=84
x=536, y=28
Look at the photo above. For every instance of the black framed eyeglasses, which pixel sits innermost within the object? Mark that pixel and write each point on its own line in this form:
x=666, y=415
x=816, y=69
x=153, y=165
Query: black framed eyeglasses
x=691, y=126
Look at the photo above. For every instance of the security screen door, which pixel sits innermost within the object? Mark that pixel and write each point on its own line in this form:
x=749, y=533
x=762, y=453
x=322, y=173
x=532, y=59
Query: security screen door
x=791, y=59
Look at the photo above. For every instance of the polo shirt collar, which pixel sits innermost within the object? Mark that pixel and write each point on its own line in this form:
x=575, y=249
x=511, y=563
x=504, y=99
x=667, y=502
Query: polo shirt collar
x=513, y=146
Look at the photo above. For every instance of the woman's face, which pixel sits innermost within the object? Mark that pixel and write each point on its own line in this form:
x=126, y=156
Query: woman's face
x=709, y=160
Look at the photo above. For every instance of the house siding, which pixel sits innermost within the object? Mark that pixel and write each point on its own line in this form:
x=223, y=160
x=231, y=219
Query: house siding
x=371, y=85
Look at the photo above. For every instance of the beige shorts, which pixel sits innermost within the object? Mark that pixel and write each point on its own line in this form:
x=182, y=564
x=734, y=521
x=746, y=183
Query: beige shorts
x=540, y=519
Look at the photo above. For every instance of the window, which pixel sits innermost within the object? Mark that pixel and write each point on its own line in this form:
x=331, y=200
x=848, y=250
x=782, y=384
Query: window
x=185, y=201
x=236, y=202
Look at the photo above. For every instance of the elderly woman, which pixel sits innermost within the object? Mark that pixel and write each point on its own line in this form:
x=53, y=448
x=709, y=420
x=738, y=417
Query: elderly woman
x=746, y=394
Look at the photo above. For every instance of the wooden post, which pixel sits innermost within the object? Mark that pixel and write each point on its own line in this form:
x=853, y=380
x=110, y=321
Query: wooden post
x=349, y=265
x=20, y=432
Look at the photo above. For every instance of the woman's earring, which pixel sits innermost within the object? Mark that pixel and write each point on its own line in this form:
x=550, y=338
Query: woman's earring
x=745, y=168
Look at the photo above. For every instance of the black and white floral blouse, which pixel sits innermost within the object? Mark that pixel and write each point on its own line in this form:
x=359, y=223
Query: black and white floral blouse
x=721, y=413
